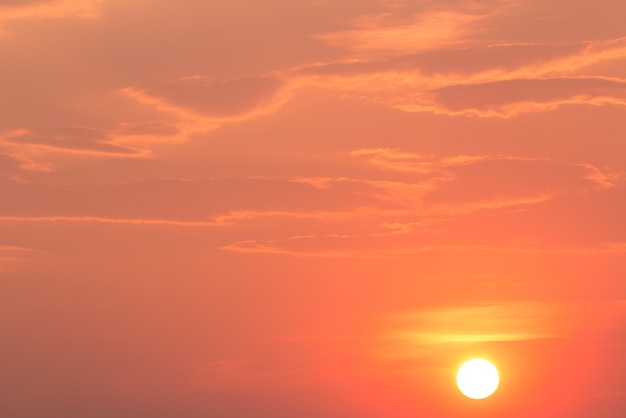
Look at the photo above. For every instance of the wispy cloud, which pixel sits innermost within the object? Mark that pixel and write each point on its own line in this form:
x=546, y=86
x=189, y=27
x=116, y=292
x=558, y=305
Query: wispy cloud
x=48, y=9
x=410, y=333
x=10, y=256
x=201, y=104
x=99, y=219
x=509, y=98
x=551, y=175
x=11, y=248
x=37, y=149
x=70, y=140
x=386, y=34
x=501, y=80
x=389, y=246
x=389, y=65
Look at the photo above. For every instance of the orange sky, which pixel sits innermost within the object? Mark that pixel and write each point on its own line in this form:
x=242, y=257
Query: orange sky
x=311, y=209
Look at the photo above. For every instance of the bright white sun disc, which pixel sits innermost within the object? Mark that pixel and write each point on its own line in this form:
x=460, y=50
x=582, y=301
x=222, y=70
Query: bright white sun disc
x=477, y=378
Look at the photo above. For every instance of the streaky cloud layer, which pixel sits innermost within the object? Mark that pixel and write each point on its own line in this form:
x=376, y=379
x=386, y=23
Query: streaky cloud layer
x=311, y=209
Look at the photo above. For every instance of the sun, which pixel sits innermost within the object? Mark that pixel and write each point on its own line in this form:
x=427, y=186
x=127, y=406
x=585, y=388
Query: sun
x=477, y=378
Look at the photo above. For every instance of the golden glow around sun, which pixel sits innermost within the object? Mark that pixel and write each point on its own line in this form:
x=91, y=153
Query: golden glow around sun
x=477, y=378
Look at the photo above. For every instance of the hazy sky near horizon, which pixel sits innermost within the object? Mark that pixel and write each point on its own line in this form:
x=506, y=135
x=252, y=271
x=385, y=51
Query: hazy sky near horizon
x=241, y=209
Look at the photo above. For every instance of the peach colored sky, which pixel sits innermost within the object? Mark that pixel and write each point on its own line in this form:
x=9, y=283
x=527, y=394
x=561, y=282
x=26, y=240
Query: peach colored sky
x=311, y=209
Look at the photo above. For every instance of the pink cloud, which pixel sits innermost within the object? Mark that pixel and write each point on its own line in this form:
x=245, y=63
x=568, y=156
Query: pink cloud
x=506, y=98
x=392, y=246
x=218, y=98
x=459, y=62
x=198, y=104
x=180, y=200
x=213, y=208
x=47, y=9
x=8, y=163
x=515, y=179
x=414, y=334
x=388, y=34
x=13, y=256
x=338, y=217
x=69, y=140
x=423, y=82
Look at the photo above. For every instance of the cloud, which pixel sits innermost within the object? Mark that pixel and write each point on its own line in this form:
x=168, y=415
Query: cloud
x=507, y=98
x=512, y=179
x=385, y=64
x=184, y=200
x=426, y=202
x=14, y=3
x=72, y=140
x=100, y=219
x=483, y=62
x=218, y=98
x=404, y=241
x=399, y=206
x=403, y=204
x=14, y=163
x=8, y=163
x=453, y=64
x=489, y=80
x=10, y=256
x=201, y=104
x=47, y=9
x=396, y=193
x=314, y=246
x=465, y=178
x=405, y=161
x=385, y=34
x=509, y=321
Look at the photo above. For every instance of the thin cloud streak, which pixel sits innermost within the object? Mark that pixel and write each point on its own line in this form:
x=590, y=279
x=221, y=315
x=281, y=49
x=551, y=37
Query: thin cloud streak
x=11, y=248
x=320, y=208
x=191, y=119
x=410, y=90
x=96, y=219
x=12, y=256
x=375, y=36
x=367, y=247
x=73, y=140
x=223, y=220
x=51, y=9
x=509, y=321
x=414, y=89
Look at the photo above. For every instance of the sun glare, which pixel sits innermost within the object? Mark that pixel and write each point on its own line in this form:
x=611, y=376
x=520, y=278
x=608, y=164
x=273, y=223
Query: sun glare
x=477, y=378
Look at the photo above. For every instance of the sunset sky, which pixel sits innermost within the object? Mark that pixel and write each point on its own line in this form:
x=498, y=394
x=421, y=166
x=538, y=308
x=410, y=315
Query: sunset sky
x=311, y=209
